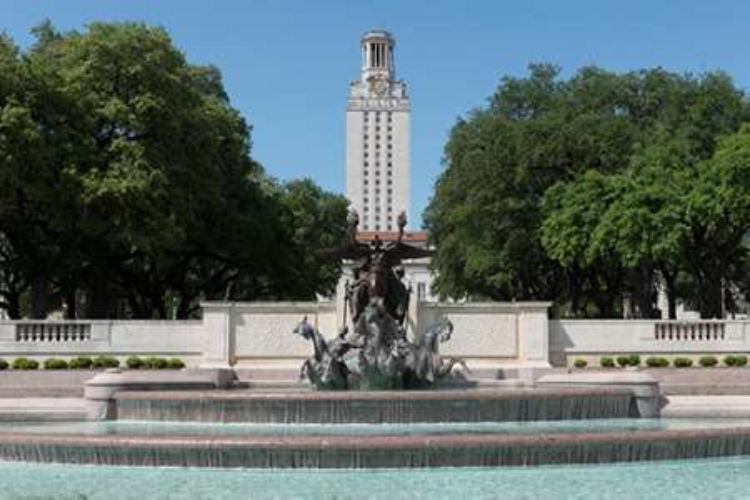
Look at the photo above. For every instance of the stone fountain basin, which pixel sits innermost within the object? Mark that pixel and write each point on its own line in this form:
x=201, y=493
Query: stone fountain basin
x=375, y=407
x=269, y=451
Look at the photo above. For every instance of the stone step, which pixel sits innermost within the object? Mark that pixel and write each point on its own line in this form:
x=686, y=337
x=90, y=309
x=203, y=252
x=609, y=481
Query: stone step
x=705, y=389
x=706, y=407
x=43, y=391
x=41, y=409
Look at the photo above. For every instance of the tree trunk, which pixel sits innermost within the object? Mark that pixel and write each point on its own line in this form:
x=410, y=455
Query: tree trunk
x=71, y=306
x=40, y=296
x=100, y=299
x=13, y=303
x=669, y=285
x=710, y=298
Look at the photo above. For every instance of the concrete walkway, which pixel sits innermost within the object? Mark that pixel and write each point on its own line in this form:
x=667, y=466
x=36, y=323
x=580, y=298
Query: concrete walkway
x=707, y=407
x=41, y=409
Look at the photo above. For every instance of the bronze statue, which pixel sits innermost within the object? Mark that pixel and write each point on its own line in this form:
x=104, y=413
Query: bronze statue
x=376, y=353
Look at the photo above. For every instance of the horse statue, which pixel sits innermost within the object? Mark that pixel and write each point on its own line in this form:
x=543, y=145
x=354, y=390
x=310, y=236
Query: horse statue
x=326, y=368
x=429, y=365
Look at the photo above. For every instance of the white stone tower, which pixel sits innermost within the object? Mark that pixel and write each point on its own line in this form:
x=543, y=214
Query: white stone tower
x=377, y=138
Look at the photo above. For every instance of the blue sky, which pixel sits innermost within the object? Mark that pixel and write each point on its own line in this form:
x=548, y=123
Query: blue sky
x=287, y=63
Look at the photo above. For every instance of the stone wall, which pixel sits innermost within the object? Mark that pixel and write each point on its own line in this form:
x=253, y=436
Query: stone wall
x=489, y=335
x=591, y=339
x=65, y=339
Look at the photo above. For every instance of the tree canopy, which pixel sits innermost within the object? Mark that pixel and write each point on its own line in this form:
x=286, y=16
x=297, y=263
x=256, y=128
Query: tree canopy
x=127, y=187
x=595, y=189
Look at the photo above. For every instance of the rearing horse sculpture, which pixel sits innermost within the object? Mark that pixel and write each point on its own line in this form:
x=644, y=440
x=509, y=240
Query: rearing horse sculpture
x=377, y=353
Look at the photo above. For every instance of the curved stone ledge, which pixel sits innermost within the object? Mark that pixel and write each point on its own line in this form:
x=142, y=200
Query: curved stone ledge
x=376, y=407
x=376, y=451
x=644, y=387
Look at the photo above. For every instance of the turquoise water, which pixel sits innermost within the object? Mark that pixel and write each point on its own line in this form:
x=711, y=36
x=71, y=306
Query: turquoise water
x=202, y=429
x=718, y=478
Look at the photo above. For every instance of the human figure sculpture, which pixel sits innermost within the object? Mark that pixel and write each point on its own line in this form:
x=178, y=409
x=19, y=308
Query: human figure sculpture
x=376, y=353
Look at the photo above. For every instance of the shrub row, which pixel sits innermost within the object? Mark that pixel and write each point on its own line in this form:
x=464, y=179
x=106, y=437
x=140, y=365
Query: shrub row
x=661, y=362
x=154, y=363
x=98, y=362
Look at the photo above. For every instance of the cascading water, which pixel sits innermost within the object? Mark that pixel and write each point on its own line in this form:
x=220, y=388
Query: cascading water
x=380, y=407
x=377, y=451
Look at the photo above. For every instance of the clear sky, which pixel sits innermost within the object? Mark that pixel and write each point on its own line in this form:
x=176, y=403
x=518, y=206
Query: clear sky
x=287, y=63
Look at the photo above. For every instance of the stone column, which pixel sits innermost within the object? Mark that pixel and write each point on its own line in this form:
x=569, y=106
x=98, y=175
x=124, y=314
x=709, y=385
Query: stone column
x=219, y=331
x=533, y=334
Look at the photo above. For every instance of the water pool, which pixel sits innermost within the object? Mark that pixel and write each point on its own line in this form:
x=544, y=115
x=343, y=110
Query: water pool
x=146, y=428
x=715, y=478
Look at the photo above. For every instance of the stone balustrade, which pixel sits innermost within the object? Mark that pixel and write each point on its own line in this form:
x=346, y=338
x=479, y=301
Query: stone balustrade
x=689, y=330
x=58, y=331
x=489, y=335
x=591, y=339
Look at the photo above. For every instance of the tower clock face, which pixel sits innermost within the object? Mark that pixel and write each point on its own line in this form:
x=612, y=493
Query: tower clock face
x=378, y=86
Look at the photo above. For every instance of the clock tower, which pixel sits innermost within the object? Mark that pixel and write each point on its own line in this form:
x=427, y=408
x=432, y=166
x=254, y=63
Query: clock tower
x=377, y=137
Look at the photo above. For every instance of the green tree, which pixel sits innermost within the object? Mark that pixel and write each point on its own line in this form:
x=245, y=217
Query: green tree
x=315, y=220
x=523, y=208
x=127, y=185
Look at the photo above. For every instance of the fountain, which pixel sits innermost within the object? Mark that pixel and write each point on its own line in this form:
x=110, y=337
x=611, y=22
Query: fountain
x=378, y=397
x=376, y=354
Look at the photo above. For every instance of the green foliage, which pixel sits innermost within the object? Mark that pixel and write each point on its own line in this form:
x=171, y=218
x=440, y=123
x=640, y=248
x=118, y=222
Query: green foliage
x=634, y=360
x=593, y=188
x=55, y=364
x=105, y=362
x=580, y=363
x=680, y=362
x=175, y=364
x=708, y=361
x=623, y=361
x=154, y=363
x=25, y=364
x=126, y=179
x=4, y=365
x=607, y=362
x=81, y=363
x=735, y=360
x=657, y=362
x=134, y=363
